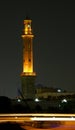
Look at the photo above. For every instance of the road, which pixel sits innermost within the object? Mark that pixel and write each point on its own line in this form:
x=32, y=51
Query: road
x=41, y=121
x=66, y=125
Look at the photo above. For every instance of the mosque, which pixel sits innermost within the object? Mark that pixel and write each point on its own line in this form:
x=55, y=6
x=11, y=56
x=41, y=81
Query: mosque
x=28, y=76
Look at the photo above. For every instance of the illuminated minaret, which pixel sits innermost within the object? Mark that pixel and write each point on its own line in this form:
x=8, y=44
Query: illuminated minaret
x=28, y=76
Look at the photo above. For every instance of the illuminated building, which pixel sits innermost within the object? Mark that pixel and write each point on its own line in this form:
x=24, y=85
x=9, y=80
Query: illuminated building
x=28, y=75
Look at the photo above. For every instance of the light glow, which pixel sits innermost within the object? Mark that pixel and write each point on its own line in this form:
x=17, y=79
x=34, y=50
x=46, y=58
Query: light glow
x=52, y=119
x=64, y=101
x=36, y=117
x=28, y=74
x=36, y=100
x=27, y=50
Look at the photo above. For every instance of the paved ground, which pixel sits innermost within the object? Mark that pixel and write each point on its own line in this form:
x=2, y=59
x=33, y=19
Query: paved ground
x=68, y=125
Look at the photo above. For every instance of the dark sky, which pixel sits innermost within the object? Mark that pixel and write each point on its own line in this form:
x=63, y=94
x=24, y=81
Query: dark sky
x=54, y=43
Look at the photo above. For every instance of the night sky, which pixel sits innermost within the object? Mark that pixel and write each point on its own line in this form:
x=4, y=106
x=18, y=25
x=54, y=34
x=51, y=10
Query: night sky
x=53, y=25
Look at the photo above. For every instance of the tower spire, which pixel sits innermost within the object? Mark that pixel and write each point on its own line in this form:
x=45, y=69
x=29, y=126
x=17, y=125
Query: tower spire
x=27, y=48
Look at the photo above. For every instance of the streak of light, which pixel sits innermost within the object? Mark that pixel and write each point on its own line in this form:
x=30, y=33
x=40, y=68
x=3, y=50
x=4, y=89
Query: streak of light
x=51, y=119
x=37, y=117
x=40, y=115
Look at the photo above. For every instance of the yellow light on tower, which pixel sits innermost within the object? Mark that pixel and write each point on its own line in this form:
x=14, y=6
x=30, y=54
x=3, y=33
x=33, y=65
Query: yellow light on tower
x=28, y=75
x=27, y=49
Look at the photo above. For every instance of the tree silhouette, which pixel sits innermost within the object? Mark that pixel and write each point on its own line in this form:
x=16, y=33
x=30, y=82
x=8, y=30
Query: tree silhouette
x=10, y=126
x=5, y=104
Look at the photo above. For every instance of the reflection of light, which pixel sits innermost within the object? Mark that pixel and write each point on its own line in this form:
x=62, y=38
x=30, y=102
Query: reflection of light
x=72, y=117
x=16, y=117
x=51, y=119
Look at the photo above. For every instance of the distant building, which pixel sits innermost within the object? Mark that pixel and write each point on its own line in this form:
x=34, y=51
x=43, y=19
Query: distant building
x=52, y=93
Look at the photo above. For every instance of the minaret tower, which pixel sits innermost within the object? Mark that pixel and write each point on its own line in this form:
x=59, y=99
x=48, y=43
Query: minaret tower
x=28, y=76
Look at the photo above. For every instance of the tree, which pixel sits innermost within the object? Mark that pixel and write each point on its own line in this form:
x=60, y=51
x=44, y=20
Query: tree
x=5, y=104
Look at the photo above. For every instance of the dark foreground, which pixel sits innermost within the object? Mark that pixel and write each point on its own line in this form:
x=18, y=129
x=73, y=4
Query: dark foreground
x=45, y=125
x=51, y=125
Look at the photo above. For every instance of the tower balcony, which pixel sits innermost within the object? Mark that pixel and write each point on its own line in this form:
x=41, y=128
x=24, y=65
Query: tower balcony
x=28, y=74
